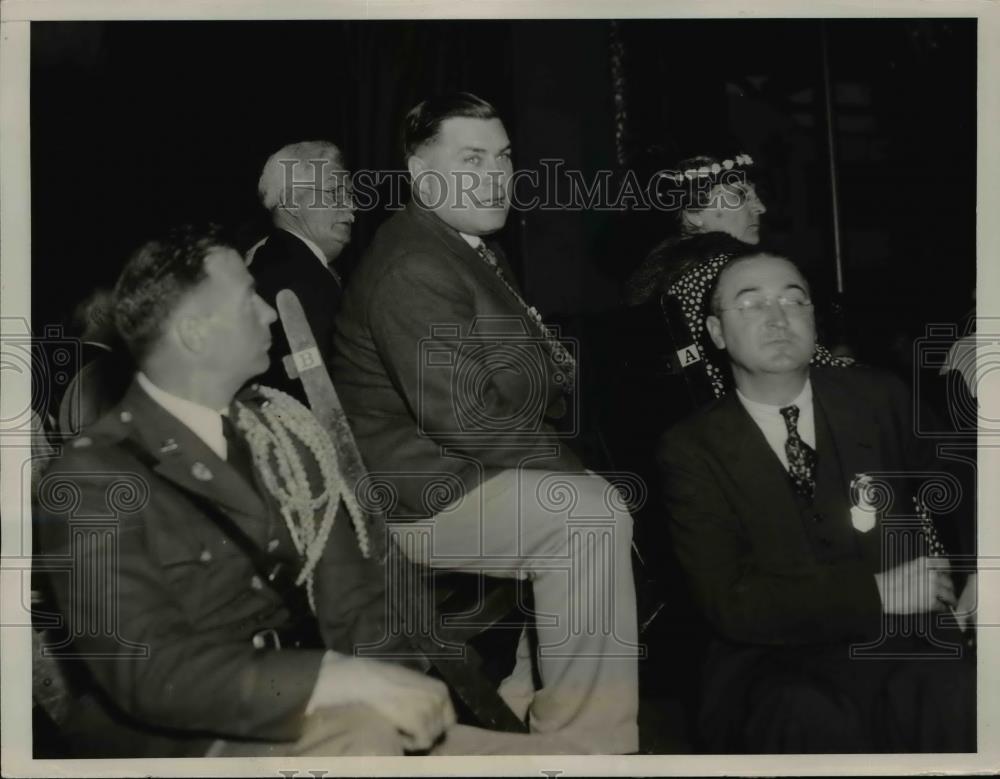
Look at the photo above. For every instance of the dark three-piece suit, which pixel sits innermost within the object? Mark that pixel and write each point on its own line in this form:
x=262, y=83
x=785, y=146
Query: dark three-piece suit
x=787, y=583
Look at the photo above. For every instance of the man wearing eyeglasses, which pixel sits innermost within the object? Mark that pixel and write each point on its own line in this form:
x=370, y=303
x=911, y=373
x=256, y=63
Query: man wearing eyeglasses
x=791, y=569
x=307, y=190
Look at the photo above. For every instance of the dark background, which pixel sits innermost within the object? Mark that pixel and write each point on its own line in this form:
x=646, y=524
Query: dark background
x=135, y=126
x=139, y=124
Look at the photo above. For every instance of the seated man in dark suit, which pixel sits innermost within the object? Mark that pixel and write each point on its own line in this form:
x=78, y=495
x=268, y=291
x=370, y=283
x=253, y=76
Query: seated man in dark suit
x=821, y=608
x=308, y=193
x=449, y=377
x=201, y=639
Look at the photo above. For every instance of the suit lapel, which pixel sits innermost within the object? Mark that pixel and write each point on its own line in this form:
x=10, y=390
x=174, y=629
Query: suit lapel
x=184, y=459
x=753, y=464
x=845, y=441
x=307, y=263
x=464, y=253
x=846, y=436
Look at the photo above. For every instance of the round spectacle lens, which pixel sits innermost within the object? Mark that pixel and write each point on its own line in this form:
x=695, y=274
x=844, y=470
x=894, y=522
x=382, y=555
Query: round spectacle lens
x=758, y=306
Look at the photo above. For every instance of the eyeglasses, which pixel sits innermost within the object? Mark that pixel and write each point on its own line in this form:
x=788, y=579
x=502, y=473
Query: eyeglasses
x=755, y=306
x=338, y=198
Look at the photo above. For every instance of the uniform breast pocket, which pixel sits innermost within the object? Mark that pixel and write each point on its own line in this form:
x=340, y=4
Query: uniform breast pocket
x=203, y=572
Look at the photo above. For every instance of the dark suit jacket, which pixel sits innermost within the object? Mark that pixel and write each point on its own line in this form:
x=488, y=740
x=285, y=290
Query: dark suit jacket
x=179, y=666
x=770, y=569
x=285, y=262
x=439, y=369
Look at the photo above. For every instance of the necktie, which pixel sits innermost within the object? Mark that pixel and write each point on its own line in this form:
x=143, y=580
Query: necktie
x=801, y=456
x=237, y=452
x=562, y=358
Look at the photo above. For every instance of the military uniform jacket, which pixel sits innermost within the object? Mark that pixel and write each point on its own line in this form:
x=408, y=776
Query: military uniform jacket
x=162, y=604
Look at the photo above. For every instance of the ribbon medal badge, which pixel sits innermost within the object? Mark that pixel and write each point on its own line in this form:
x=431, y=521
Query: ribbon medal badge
x=863, y=513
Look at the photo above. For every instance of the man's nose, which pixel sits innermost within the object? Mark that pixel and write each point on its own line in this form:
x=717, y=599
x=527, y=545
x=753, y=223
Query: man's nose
x=775, y=313
x=268, y=315
x=496, y=178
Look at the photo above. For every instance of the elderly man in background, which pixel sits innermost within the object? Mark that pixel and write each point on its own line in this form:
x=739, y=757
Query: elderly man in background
x=307, y=191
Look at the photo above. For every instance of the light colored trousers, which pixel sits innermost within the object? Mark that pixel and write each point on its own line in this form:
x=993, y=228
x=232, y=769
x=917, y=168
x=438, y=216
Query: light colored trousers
x=357, y=730
x=570, y=534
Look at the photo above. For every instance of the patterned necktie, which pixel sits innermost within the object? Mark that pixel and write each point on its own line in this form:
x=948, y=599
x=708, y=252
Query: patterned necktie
x=801, y=456
x=560, y=355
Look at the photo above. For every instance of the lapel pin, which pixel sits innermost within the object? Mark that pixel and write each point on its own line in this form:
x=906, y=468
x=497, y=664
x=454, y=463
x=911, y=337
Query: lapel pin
x=201, y=472
x=125, y=416
x=206, y=556
x=864, y=511
x=169, y=445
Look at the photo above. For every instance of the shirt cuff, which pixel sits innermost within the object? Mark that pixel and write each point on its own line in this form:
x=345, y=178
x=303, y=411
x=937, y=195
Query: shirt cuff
x=330, y=658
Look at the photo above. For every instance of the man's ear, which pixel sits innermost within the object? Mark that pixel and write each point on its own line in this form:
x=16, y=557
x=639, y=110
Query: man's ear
x=714, y=327
x=288, y=202
x=421, y=175
x=191, y=332
x=691, y=219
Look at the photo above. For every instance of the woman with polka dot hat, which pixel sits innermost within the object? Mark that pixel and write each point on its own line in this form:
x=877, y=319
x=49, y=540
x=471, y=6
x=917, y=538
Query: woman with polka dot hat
x=712, y=204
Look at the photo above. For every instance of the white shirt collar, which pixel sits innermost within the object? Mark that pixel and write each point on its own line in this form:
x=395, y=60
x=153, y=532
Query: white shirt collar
x=313, y=247
x=473, y=240
x=206, y=423
x=757, y=409
x=772, y=425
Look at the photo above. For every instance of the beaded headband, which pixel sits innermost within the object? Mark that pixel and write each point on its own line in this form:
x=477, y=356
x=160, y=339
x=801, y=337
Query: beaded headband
x=678, y=177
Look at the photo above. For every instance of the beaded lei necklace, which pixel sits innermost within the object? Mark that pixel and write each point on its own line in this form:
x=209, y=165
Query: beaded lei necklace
x=269, y=433
x=560, y=355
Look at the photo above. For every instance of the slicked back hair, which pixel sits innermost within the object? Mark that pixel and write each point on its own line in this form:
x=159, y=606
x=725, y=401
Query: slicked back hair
x=424, y=120
x=156, y=278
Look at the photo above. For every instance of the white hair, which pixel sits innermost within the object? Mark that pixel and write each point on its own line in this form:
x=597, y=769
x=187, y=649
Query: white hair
x=294, y=164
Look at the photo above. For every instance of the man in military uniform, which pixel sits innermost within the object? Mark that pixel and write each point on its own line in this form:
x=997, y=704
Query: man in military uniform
x=182, y=600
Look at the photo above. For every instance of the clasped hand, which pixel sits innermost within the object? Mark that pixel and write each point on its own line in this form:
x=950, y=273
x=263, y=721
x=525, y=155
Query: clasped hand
x=917, y=586
x=924, y=585
x=419, y=706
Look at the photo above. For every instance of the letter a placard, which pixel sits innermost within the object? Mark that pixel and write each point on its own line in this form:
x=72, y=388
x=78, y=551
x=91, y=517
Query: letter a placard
x=688, y=355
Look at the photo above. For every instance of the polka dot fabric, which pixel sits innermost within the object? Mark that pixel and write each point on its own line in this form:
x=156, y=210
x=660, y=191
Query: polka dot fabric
x=690, y=291
x=801, y=456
